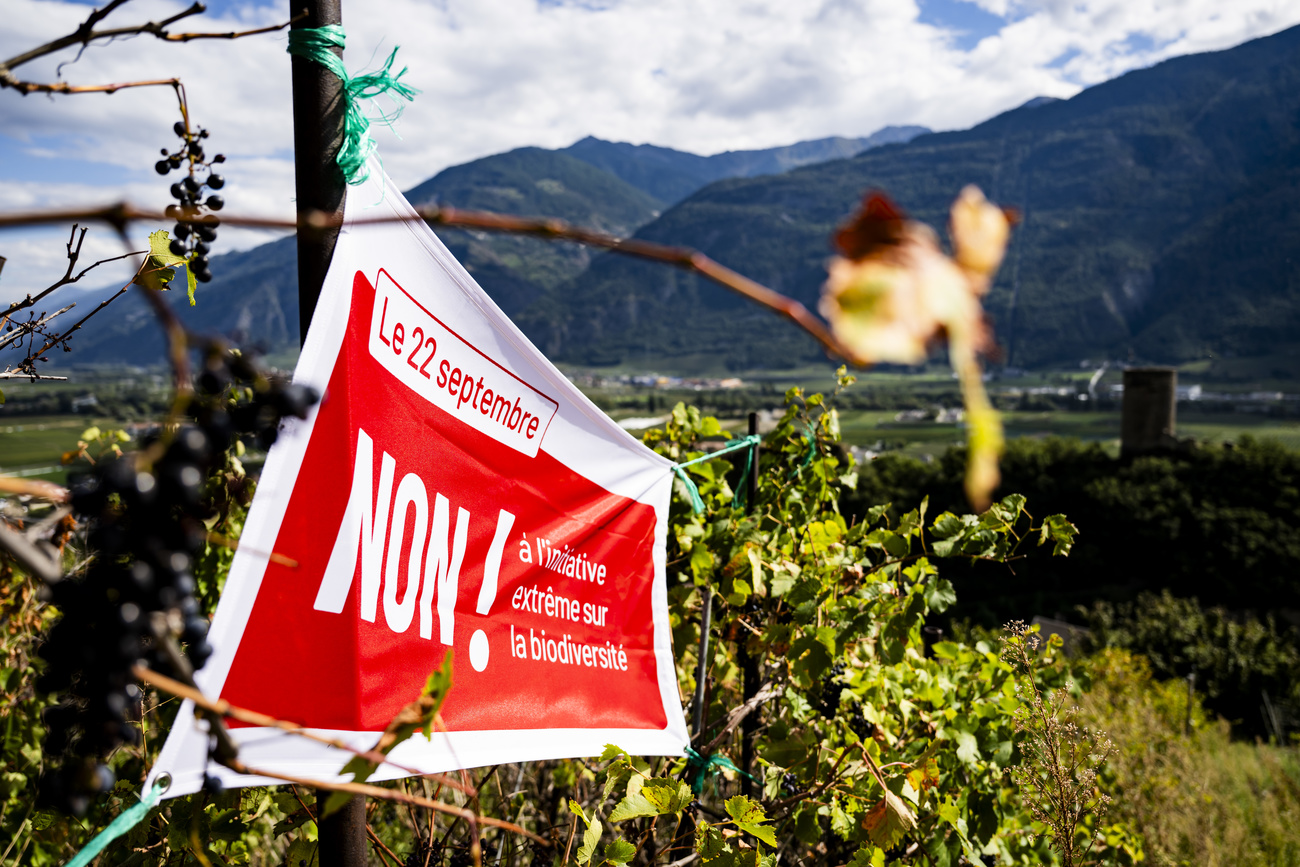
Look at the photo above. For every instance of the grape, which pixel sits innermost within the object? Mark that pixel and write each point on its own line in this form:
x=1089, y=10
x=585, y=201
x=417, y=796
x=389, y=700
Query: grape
x=188, y=193
x=145, y=525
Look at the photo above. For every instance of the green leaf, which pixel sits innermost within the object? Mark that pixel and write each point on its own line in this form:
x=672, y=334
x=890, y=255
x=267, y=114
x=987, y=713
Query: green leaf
x=616, y=777
x=940, y=595
x=657, y=797
x=302, y=853
x=968, y=750
x=612, y=752
x=576, y=809
x=1060, y=532
x=745, y=809
x=157, y=273
x=748, y=815
x=868, y=856
x=191, y=283
x=590, y=838
x=436, y=688
x=619, y=852
x=714, y=849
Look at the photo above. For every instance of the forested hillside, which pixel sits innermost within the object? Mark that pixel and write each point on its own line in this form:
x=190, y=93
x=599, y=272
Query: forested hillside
x=1156, y=224
x=610, y=186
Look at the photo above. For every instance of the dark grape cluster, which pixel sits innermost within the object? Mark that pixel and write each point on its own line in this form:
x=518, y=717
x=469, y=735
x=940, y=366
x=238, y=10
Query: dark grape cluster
x=859, y=723
x=790, y=784
x=144, y=512
x=828, y=700
x=191, y=239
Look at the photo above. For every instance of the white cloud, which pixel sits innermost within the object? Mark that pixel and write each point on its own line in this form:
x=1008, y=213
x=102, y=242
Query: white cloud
x=498, y=74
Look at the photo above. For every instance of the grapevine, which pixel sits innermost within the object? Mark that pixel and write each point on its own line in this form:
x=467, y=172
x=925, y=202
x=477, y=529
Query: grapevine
x=135, y=603
x=196, y=226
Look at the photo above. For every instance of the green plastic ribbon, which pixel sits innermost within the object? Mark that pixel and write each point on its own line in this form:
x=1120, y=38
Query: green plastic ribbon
x=129, y=818
x=698, y=767
x=692, y=491
x=317, y=44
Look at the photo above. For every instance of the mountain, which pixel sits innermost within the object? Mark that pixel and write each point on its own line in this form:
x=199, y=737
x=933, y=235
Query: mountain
x=532, y=182
x=253, y=299
x=672, y=175
x=1158, y=223
x=254, y=293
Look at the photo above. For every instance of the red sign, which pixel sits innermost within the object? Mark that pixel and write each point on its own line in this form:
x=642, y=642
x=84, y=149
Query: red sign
x=453, y=491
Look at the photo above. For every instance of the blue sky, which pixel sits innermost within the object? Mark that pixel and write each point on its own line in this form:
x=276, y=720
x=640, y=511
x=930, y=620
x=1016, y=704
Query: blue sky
x=499, y=74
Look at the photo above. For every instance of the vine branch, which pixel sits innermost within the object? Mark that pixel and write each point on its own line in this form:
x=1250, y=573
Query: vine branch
x=120, y=215
x=86, y=34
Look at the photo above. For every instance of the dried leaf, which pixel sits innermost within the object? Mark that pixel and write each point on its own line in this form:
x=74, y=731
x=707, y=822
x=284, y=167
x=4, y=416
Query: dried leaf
x=889, y=821
x=979, y=232
x=893, y=292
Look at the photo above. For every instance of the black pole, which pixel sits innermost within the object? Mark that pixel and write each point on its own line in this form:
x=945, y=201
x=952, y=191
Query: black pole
x=317, y=134
x=749, y=665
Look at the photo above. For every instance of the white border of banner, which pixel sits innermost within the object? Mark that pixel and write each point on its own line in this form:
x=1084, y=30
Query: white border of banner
x=185, y=754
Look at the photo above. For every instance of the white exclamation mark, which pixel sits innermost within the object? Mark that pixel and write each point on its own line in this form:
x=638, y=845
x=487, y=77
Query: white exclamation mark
x=487, y=594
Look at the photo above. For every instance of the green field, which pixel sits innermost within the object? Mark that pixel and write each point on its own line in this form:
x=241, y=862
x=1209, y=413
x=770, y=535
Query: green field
x=878, y=430
x=31, y=446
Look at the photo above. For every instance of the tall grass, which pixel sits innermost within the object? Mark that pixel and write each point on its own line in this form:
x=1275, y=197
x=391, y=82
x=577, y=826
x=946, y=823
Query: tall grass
x=1197, y=798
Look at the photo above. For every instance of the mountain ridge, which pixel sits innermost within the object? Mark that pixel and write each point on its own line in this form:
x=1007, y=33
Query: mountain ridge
x=1158, y=226
x=1119, y=188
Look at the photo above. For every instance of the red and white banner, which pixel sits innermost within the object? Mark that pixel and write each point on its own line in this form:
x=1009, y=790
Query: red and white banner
x=453, y=490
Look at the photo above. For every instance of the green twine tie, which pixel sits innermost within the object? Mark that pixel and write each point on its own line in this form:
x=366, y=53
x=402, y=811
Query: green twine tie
x=119, y=826
x=697, y=504
x=698, y=767
x=316, y=44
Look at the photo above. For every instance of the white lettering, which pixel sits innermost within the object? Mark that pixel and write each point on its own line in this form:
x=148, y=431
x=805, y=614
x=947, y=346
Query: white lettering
x=409, y=493
x=360, y=525
x=442, y=571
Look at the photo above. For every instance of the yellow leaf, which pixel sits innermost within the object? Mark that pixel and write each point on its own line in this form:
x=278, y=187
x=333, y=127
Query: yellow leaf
x=893, y=291
x=979, y=233
x=157, y=273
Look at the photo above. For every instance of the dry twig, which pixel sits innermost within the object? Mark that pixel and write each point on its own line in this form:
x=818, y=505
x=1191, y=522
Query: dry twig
x=86, y=34
x=223, y=708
